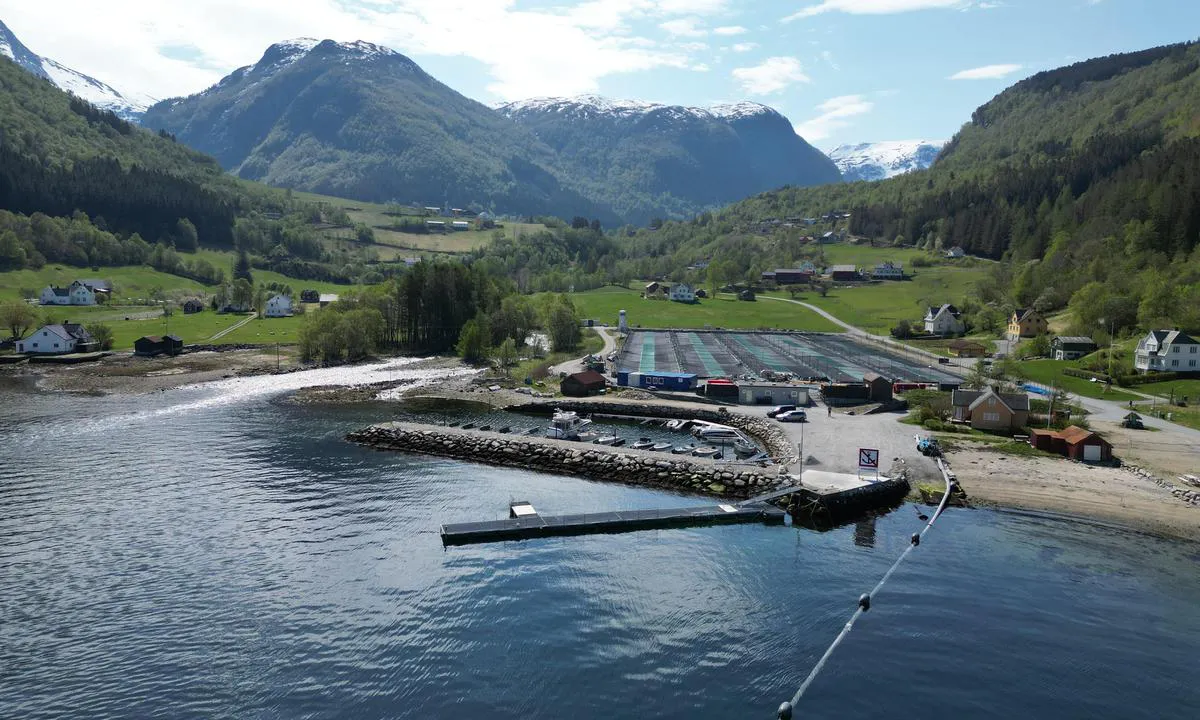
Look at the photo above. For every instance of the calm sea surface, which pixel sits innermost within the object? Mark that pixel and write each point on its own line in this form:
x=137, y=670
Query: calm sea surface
x=214, y=552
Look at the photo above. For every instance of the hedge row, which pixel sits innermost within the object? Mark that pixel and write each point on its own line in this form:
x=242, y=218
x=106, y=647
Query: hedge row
x=1127, y=380
x=1087, y=374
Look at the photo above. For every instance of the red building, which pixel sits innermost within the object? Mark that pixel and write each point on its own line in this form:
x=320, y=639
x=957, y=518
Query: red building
x=1074, y=442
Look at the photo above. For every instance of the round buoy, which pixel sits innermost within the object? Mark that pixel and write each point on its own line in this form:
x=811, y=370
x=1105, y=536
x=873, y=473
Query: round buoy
x=916, y=538
x=785, y=711
x=864, y=602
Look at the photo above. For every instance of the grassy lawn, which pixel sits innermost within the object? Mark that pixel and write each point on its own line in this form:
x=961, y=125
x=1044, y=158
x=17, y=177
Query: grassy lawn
x=603, y=305
x=129, y=281
x=865, y=255
x=195, y=328
x=1049, y=372
x=1189, y=388
x=941, y=346
x=879, y=306
x=224, y=260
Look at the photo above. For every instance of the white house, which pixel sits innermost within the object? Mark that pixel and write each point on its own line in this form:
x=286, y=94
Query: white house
x=57, y=340
x=955, y=252
x=76, y=293
x=888, y=271
x=944, y=320
x=682, y=292
x=1167, y=351
x=278, y=306
x=460, y=225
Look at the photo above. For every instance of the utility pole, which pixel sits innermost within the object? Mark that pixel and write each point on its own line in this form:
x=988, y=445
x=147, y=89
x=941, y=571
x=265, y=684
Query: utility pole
x=802, y=449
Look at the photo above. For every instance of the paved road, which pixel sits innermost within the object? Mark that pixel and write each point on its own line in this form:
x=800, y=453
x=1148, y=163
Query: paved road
x=576, y=365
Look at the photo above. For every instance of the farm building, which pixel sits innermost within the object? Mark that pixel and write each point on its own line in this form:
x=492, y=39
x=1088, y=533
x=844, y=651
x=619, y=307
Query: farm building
x=1071, y=348
x=944, y=320
x=191, y=306
x=678, y=381
x=843, y=272
x=77, y=293
x=582, y=384
x=682, y=292
x=1074, y=442
x=879, y=388
x=719, y=389
x=460, y=225
x=152, y=345
x=888, y=271
x=325, y=299
x=435, y=225
x=792, y=276
x=764, y=393
x=967, y=348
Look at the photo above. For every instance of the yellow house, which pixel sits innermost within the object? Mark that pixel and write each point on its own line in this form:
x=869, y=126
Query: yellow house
x=1025, y=322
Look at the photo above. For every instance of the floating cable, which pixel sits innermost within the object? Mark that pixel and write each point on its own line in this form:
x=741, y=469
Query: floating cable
x=864, y=601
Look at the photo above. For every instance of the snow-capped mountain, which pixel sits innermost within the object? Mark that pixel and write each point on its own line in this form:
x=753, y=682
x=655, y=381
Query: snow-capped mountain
x=127, y=105
x=585, y=105
x=672, y=160
x=880, y=160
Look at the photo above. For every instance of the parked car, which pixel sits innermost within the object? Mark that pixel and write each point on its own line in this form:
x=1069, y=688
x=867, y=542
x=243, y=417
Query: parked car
x=943, y=361
x=792, y=416
x=779, y=410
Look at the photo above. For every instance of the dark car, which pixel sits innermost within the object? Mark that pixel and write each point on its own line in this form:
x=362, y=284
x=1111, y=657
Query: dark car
x=779, y=410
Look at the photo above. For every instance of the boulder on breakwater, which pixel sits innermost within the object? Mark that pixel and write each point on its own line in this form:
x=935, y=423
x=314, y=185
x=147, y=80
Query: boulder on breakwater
x=595, y=462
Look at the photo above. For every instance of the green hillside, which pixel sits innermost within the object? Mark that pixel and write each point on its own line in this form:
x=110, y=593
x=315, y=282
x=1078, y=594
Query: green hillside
x=1085, y=180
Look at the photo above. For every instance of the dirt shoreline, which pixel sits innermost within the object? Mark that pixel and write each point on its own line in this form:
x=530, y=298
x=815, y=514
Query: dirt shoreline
x=1057, y=486
x=1051, y=485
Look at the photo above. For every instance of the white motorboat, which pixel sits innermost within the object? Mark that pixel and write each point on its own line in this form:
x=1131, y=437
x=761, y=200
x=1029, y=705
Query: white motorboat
x=566, y=424
x=718, y=434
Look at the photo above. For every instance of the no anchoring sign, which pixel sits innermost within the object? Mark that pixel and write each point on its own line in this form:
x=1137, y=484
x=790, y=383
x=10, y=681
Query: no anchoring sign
x=868, y=458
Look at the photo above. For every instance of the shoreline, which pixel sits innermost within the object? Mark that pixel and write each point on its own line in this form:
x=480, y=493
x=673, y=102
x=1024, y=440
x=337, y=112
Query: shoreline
x=1054, y=486
x=1070, y=490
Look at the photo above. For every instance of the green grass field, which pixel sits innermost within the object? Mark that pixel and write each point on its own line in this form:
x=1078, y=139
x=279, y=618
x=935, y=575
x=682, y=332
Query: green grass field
x=129, y=281
x=877, y=307
x=200, y=327
x=1049, y=372
x=603, y=305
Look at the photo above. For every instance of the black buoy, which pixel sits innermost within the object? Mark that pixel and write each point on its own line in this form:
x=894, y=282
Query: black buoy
x=916, y=538
x=864, y=602
x=920, y=515
x=785, y=711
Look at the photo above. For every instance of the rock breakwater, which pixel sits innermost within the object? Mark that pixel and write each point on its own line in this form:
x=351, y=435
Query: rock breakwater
x=571, y=458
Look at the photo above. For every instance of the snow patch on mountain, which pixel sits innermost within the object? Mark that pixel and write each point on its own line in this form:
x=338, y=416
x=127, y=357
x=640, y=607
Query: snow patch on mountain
x=881, y=160
x=588, y=104
x=102, y=95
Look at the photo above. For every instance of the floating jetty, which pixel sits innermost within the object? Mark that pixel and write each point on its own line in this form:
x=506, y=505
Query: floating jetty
x=525, y=524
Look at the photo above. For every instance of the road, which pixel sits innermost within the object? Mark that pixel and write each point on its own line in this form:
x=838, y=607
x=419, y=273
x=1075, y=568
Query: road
x=231, y=328
x=576, y=365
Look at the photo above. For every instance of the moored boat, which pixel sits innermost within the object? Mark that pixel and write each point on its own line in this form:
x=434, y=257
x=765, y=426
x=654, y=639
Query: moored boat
x=566, y=425
x=643, y=444
x=661, y=447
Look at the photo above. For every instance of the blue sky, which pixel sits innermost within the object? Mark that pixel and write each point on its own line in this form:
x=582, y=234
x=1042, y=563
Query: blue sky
x=842, y=70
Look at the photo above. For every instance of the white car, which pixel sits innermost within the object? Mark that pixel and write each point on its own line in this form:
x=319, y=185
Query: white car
x=792, y=416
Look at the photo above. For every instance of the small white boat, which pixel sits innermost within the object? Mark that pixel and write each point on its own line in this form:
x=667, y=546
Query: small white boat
x=606, y=440
x=715, y=434
x=643, y=444
x=675, y=424
x=565, y=425
x=707, y=452
x=661, y=447
x=683, y=449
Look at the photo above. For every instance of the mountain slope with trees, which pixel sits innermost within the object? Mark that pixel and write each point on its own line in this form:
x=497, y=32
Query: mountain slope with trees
x=360, y=121
x=1085, y=178
x=646, y=159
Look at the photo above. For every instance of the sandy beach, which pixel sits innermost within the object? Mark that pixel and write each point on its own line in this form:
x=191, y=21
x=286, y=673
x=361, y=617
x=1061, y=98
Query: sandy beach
x=1110, y=494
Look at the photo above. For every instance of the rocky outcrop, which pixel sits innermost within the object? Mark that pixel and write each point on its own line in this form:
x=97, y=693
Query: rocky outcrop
x=767, y=433
x=1189, y=495
x=569, y=458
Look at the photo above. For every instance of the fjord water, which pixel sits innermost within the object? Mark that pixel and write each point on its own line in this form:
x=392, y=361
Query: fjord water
x=215, y=552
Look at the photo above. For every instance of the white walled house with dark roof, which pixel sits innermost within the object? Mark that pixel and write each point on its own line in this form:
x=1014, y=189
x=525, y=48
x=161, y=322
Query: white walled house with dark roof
x=77, y=293
x=1167, y=351
x=944, y=320
x=278, y=306
x=57, y=340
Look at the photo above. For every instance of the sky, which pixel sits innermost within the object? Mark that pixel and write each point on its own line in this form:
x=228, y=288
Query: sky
x=843, y=71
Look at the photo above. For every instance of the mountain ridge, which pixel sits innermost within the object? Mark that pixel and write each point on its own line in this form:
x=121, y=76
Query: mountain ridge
x=886, y=159
x=128, y=106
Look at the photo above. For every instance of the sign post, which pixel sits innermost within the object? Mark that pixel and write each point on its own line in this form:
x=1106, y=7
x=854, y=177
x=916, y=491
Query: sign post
x=868, y=459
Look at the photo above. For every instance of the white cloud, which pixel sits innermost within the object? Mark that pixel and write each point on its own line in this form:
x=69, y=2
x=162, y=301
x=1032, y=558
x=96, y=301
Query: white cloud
x=834, y=115
x=875, y=7
x=743, y=47
x=729, y=30
x=683, y=27
x=987, y=72
x=771, y=76
x=542, y=51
